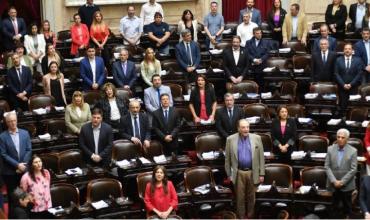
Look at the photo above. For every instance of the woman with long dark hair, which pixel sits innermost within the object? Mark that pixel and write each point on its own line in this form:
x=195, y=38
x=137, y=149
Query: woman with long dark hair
x=53, y=84
x=188, y=22
x=160, y=194
x=275, y=20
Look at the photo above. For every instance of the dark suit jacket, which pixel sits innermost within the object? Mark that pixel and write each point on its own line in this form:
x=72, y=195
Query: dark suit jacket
x=230, y=68
x=352, y=14
x=87, y=74
x=365, y=194
x=9, y=152
x=87, y=144
x=256, y=16
x=320, y=71
x=352, y=75
x=161, y=128
x=260, y=52
x=360, y=51
x=15, y=86
x=270, y=19
x=127, y=130
x=223, y=125
x=332, y=44
x=339, y=18
x=289, y=136
x=210, y=99
x=182, y=58
x=104, y=105
x=8, y=32
x=121, y=79
x=45, y=66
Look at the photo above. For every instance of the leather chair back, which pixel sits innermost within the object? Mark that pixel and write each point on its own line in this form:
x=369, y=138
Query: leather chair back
x=281, y=62
x=282, y=174
x=197, y=176
x=70, y=159
x=302, y=61
x=64, y=35
x=4, y=106
x=176, y=90
x=101, y=189
x=55, y=125
x=40, y=101
x=155, y=149
x=311, y=175
x=62, y=194
x=256, y=109
x=317, y=25
x=246, y=86
x=296, y=46
x=266, y=141
x=324, y=88
x=91, y=97
x=142, y=180
x=171, y=64
x=295, y=110
x=125, y=149
x=364, y=90
x=210, y=141
x=358, y=114
x=50, y=162
x=124, y=94
x=289, y=87
x=314, y=143
x=185, y=113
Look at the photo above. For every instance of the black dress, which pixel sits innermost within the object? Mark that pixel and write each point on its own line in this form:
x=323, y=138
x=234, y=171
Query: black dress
x=56, y=92
x=191, y=29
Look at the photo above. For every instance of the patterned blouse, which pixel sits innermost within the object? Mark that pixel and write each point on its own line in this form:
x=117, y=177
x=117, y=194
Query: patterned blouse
x=40, y=190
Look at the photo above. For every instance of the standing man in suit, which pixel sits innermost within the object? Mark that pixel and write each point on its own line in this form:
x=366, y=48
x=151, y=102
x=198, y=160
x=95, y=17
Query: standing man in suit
x=324, y=33
x=227, y=117
x=255, y=13
x=258, y=53
x=235, y=61
x=341, y=168
x=357, y=12
x=348, y=72
x=13, y=29
x=245, y=166
x=295, y=26
x=87, y=11
x=362, y=49
x=19, y=84
x=96, y=139
x=152, y=95
x=123, y=70
x=166, y=125
x=135, y=126
x=323, y=63
x=365, y=196
x=92, y=70
x=16, y=151
x=188, y=55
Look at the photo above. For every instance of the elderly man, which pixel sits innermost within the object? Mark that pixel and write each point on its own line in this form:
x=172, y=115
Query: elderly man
x=323, y=63
x=13, y=29
x=341, y=168
x=124, y=72
x=245, y=29
x=295, y=26
x=245, y=166
x=324, y=33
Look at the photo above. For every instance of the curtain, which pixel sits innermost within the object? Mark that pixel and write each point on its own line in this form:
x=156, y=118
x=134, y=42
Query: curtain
x=231, y=8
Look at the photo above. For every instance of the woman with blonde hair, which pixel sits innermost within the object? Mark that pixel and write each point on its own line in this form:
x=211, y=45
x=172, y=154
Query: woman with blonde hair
x=49, y=36
x=150, y=66
x=335, y=18
x=99, y=34
x=53, y=84
x=51, y=55
x=77, y=113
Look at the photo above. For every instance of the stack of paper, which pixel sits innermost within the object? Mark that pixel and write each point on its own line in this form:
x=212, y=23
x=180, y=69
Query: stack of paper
x=206, y=122
x=253, y=120
x=216, y=51
x=55, y=210
x=252, y=95
x=46, y=136
x=365, y=124
x=361, y=159
x=74, y=171
x=217, y=70
x=99, y=205
x=208, y=155
x=6, y=113
x=237, y=95
x=160, y=159
x=201, y=71
x=304, y=189
x=354, y=97
x=203, y=189
x=284, y=50
x=299, y=70
x=296, y=155
x=304, y=120
x=59, y=108
x=318, y=155
x=137, y=99
x=40, y=111
x=268, y=69
x=144, y=160
x=334, y=121
x=187, y=97
x=227, y=31
x=348, y=122
x=367, y=98
x=116, y=56
x=266, y=95
x=163, y=72
x=123, y=163
x=266, y=154
x=311, y=95
x=313, y=31
x=66, y=81
x=263, y=188
x=329, y=96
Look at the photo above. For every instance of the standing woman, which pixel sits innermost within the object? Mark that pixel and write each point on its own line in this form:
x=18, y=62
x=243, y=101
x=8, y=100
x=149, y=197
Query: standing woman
x=150, y=66
x=99, y=34
x=275, y=19
x=283, y=134
x=35, y=46
x=80, y=36
x=49, y=36
x=53, y=84
x=188, y=22
x=202, y=103
x=367, y=149
x=160, y=194
x=51, y=55
x=335, y=18
x=37, y=183
x=77, y=113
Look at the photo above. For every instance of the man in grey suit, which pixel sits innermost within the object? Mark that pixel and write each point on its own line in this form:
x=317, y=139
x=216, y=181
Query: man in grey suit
x=245, y=166
x=341, y=168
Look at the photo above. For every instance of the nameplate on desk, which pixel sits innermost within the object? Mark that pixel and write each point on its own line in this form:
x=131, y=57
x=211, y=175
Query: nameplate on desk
x=318, y=155
x=45, y=137
x=269, y=69
x=216, y=51
x=74, y=171
x=297, y=155
x=99, y=205
x=123, y=163
x=306, y=189
x=304, y=120
x=334, y=121
x=299, y=70
x=253, y=120
x=354, y=97
x=144, y=160
x=160, y=159
x=263, y=188
x=266, y=95
x=311, y=95
x=56, y=210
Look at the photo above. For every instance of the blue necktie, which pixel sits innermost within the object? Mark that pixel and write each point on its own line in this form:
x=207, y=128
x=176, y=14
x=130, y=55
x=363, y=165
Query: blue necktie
x=159, y=97
x=137, y=132
x=166, y=116
x=124, y=68
x=190, y=63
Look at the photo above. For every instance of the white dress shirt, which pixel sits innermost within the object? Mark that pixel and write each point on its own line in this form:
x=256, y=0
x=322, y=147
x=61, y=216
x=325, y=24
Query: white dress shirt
x=93, y=68
x=236, y=54
x=148, y=10
x=245, y=32
x=114, y=112
x=294, y=26
x=96, y=132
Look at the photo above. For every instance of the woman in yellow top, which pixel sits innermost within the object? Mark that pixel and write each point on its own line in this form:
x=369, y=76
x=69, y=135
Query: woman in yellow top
x=150, y=66
x=77, y=113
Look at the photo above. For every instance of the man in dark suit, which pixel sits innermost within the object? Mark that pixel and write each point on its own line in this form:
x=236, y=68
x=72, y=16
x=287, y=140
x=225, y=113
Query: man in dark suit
x=324, y=33
x=92, y=70
x=227, y=117
x=96, y=139
x=362, y=49
x=13, y=29
x=255, y=13
x=258, y=52
x=16, y=151
x=348, y=72
x=135, y=126
x=87, y=11
x=235, y=61
x=19, y=84
x=365, y=196
x=166, y=125
x=323, y=63
x=124, y=74
x=356, y=13
x=341, y=168
x=188, y=55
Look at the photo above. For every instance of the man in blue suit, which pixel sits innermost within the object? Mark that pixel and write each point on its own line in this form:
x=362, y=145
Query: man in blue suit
x=19, y=84
x=258, y=52
x=324, y=33
x=16, y=151
x=255, y=13
x=348, y=71
x=124, y=74
x=362, y=50
x=13, y=29
x=92, y=70
x=188, y=55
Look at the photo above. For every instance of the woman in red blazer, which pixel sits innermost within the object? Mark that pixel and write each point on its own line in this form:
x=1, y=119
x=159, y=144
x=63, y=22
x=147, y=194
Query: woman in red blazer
x=80, y=35
x=160, y=194
x=367, y=149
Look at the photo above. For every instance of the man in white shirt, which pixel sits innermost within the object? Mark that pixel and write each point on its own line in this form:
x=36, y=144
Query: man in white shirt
x=92, y=70
x=245, y=29
x=131, y=27
x=148, y=10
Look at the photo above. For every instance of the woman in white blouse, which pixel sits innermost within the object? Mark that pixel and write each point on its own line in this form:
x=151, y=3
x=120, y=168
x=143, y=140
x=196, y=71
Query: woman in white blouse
x=77, y=113
x=35, y=46
x=188, y=22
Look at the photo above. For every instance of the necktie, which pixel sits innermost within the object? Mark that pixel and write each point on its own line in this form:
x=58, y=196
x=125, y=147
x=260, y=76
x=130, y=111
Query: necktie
x=323, y=57
x=347, y=64
x=19, y=74
x=257, y=42
x=15, y=25
x=188, y=53
x=136, y=125
x=124, y=68
x=230, y=115
x=166, y=116
x=159, y=97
